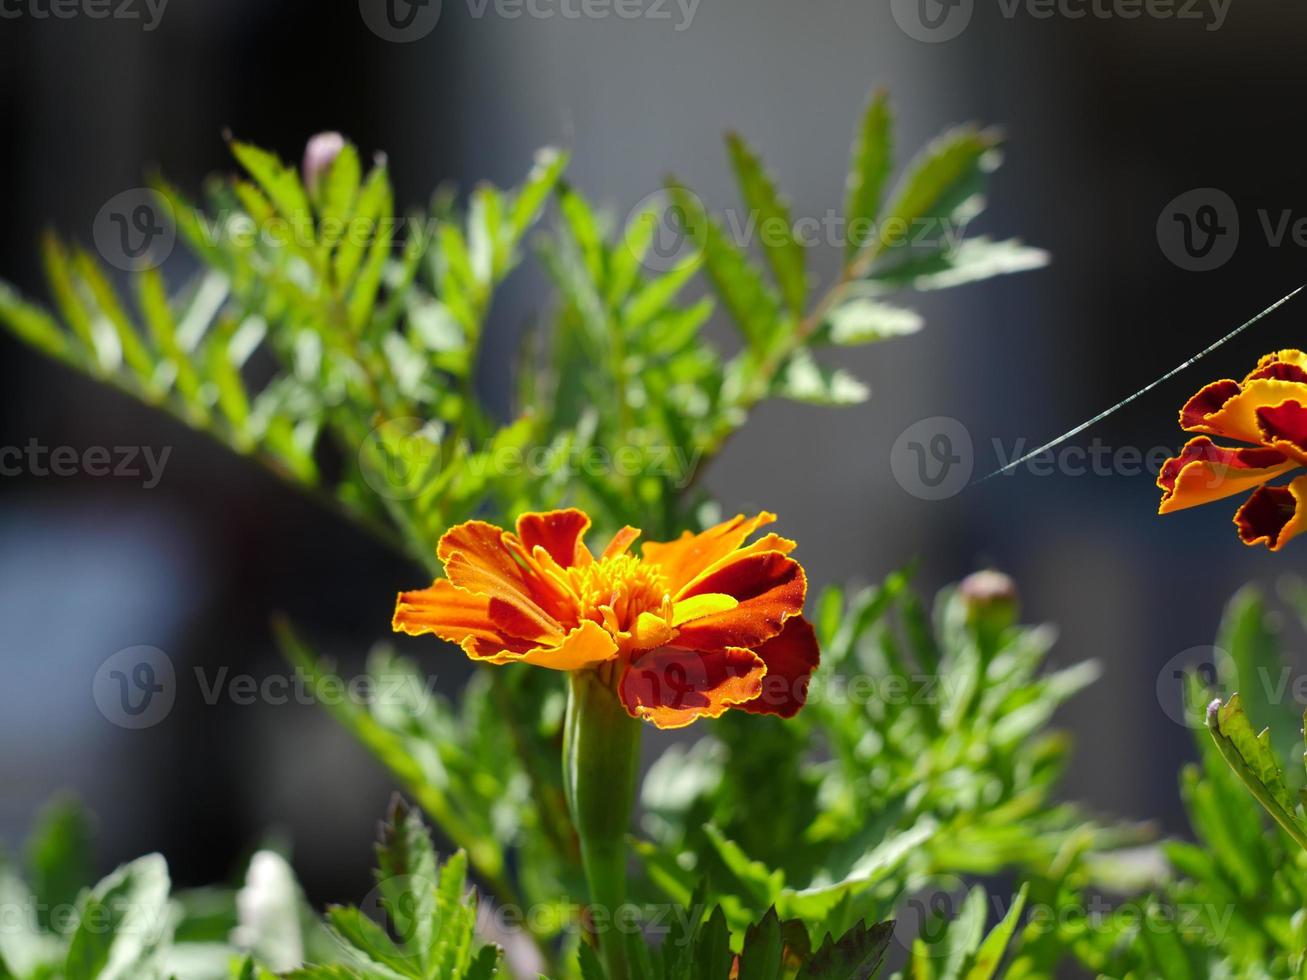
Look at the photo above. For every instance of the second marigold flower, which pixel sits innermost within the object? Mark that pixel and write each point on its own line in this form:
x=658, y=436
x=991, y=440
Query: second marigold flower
x=689, y=629
x=1268, y=409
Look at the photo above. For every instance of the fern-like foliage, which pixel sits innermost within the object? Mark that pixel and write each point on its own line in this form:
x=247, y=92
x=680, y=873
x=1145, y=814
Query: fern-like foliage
x=923, y=754
x=336, y=339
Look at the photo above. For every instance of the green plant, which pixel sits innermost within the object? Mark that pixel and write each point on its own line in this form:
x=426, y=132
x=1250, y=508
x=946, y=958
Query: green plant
x=339, y=346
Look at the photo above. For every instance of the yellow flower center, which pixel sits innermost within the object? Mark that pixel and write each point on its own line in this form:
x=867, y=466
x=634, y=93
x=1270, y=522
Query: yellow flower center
x=624, y=584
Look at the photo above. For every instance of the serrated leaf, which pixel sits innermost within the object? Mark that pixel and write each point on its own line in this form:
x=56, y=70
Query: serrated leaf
x=856, y=955
x=747, y=297
x=281, y=184
x=409, y=880
x=946, y=175
x=775, y=227
x=762, y=956
x=370, y=940
x=869, y=169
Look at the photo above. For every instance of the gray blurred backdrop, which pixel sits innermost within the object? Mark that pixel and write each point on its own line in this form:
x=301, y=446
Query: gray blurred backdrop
x=1109, y=117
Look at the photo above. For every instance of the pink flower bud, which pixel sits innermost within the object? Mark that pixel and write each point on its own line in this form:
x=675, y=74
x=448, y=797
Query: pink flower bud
x=319, y=154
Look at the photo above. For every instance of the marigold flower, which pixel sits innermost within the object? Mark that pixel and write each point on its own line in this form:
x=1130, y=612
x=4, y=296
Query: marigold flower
x=1268, y=409
x=694, y=627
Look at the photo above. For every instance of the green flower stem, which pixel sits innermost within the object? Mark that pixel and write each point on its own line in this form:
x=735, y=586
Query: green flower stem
x=601, y=754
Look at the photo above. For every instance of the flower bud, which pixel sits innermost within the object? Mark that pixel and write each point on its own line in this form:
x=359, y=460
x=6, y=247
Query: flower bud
x=990, y=599
x=319, y=154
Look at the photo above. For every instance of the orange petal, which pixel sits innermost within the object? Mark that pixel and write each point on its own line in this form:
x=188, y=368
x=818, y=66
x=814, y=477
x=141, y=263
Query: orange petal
x=769, y=587
x=478, y=558
x=1273, y=515
x=449, y=612
x=1204, y=472
x=1228, y=409
x=690, y=554
x=673, y=688
x=791, y=656
x=1287, y=365
x=587, y=645
x=622, y=540
x=559, y=532
x=1284, y=426
x=768, y=542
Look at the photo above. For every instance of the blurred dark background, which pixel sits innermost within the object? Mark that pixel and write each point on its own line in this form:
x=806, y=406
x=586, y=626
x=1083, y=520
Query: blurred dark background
x=1109, y=119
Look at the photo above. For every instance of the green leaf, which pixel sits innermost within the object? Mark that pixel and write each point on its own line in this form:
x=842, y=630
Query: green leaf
x=762, y=955
x=712, y=948
x=1252, y=760
x=987, y=959
x=356, y=929
x=956, y=264
x=588, y=962
x=122, y=919
x=371, y=213
x=282, y=186
x=946, y=176
x=770, y=216
x=134, y=352
x=409, y=880
x=268, y=909
x=805, y=380
x=865, y=321
x=31, y=323
x=656, y=296
x=338, y=190
x=868, y=172
x=533, y=195
x=747, y=297
x=59, y=855
x=856, y=955
x=163, y=328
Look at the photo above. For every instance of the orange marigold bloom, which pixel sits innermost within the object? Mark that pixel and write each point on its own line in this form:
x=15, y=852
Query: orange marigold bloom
x=694, y=627
x=1268, y=409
